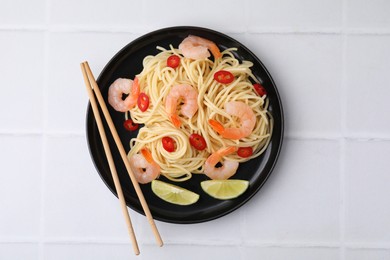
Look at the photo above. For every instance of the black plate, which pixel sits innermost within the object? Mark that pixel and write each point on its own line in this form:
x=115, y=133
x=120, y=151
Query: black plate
x=127, y=63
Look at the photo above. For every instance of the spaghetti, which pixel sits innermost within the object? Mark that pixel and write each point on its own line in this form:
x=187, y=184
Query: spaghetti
x=157, y=79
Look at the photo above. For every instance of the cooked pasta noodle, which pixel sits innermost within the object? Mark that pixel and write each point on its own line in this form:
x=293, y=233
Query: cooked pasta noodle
x=157, y=79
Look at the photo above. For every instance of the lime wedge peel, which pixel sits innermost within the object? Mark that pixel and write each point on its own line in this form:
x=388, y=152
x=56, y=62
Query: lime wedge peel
x=174, y=194
x=224, y=189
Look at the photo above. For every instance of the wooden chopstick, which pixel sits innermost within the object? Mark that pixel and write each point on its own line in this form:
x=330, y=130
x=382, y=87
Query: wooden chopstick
x=110, y=160
x=123, y=154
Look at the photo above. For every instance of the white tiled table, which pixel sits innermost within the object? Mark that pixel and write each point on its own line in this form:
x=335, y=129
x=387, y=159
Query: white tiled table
x=329, y=196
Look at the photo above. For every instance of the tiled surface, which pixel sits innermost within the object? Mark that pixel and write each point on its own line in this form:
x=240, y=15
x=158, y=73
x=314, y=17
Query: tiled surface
x=368, y=57
x=95, y=13
x=21, y=66
x=367, y=191
x=295, y=15
x=291, y=215
x=288, y=57
x=373, y=15
x=17, y=251
x=189, y=14
x=301, y=253
x=21, y=12
x=329, y=195
x=20, y=179
x=367, y=254
x=73, y=189
x=120, y=251
x=87, y=251
x=66, y=51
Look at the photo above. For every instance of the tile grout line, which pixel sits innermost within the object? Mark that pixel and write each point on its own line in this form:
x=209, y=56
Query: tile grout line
x=343, y=127
x=342, y=209
x=261, y=244
x=45, y=99
x=43, y=159
x=69, y=28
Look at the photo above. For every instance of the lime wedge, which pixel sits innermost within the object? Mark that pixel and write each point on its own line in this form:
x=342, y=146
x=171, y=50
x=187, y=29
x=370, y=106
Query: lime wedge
x=174, y=194
x=224, y=189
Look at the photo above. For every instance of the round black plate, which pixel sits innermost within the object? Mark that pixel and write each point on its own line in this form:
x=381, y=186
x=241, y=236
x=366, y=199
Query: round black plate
x=128, y=63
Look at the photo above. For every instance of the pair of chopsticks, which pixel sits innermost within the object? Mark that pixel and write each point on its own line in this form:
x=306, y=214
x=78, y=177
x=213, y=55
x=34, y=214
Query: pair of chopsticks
x=92, y=90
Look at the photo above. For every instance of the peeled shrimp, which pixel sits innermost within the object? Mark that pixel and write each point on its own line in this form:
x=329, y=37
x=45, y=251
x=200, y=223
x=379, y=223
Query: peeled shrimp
x=189, y=96
x=195, y=47
x=224, y=172
x=144, y=167
x=247, y=119
x=123, y=86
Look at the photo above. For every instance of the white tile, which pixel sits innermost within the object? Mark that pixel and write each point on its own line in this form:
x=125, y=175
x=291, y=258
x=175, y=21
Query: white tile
x=118, y=252
x=307, y=72
x=300, y=201
x=13, y=251
x=20, y=185
x=368, y=14
x=367, y=191
x=368, y=62
x=87, y=251
x=77, y=202
x=174, y=233
x=66, y=84
x=290, y=253
x=21, y=12
x=295, y=15
x=221, y=15
x=191, y=252
x=367, y=254
x=21, y=67
x=100, y=13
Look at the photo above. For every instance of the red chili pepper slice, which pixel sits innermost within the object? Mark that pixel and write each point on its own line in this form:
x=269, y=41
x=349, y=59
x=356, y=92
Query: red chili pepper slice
x=198, y=142
x=143, y=102
x=173, y=61
x=169, y=144
x=129, y=125
x=223, y=76
x=260, y=90
x=245, y=152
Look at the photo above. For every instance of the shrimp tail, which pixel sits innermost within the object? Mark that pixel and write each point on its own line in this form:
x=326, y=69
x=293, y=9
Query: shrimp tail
x=228, y=150
x=136, y=88
x=215, y=51
x=131, y=100
x=147, y=155
x=175, y=120
x=217, y=126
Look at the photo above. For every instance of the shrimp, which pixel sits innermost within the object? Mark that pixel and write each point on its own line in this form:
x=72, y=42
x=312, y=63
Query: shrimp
x=190, y=106
x=224, y=172
x=123, y=86
x=144, y=167
x=247, y=119
x=195, y=47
